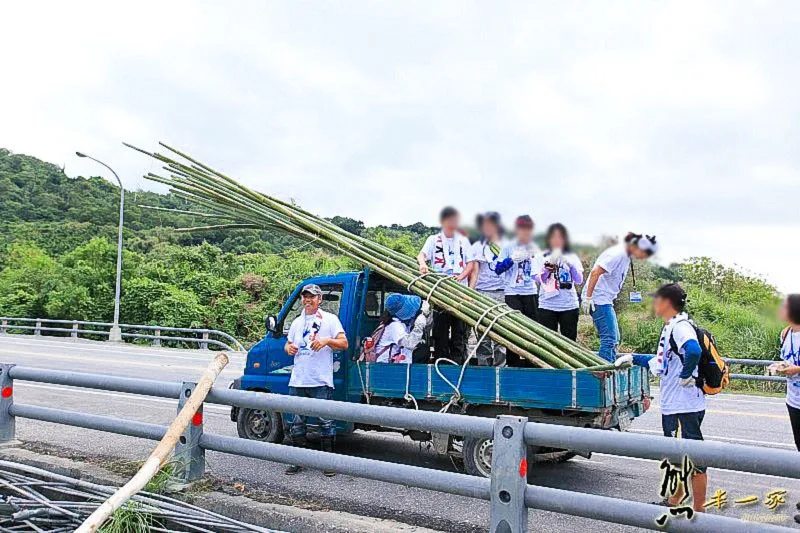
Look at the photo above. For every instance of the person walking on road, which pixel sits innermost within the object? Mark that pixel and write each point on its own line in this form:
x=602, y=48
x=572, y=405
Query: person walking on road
x=604, y=283
x=313, y=337
x=484, y=279
x=448, y=252
x=682, y=402
x=562, y=271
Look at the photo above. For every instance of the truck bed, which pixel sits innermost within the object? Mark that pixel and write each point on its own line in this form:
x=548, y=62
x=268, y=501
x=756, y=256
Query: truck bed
x=524, y=387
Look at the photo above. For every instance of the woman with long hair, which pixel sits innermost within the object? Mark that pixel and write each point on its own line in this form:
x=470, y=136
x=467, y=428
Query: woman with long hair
x=562, y=271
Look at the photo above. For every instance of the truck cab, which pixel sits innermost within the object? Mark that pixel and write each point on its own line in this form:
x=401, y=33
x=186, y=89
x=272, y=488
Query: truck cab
x=607, y=400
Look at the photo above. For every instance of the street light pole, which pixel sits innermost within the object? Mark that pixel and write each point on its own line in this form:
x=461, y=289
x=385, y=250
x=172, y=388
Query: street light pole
x=115, y=335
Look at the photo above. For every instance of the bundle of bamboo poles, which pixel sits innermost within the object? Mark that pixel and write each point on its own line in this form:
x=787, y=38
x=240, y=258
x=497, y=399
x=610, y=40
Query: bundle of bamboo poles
x=236, y=206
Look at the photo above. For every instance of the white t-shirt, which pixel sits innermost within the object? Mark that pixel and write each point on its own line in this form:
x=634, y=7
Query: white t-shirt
x=676, y=398
x=519, y=278
x=616, y=262
x=790, y=352
x=448, y=255
x=394, y=332
x=551, y=297
x=487, y=260
x=313, y=369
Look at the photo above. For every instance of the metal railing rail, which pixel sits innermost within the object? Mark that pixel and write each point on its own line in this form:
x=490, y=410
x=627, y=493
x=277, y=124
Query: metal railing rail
x=507, y=490
x=227, y=342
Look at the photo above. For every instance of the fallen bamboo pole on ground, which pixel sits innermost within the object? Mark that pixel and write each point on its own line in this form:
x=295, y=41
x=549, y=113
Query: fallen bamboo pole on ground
x=161, y=452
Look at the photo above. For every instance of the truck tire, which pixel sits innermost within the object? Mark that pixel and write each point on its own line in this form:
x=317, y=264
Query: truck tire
x=477, y=455
x=264, y=426
x=555, y=457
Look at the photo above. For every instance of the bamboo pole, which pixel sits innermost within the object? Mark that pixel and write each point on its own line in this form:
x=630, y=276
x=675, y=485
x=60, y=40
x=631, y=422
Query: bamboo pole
x=161, y=452
x=200, y=184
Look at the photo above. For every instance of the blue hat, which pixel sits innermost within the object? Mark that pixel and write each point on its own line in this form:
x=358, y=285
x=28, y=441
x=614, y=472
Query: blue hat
x=402, y=306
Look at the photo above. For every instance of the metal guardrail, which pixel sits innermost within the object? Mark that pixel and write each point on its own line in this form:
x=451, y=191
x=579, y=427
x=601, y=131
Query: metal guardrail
x=507, y=490
x=754, y=377
x=204, y=340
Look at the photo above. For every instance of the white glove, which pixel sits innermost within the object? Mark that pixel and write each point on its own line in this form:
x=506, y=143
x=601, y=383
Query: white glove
x=688, y=382
x=555, y=255
x=587, y=306
x=520, y=254
x=425, y=308
x=624, y=360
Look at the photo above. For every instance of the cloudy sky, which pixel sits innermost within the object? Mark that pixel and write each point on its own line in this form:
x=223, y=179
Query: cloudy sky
x=679, y=118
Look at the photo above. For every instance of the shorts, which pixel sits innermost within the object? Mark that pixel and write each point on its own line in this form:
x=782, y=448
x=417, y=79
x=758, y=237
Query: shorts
x=684, y=426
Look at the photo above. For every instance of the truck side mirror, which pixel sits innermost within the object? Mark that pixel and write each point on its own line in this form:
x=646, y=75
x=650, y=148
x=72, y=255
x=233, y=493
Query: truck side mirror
x=272, y=324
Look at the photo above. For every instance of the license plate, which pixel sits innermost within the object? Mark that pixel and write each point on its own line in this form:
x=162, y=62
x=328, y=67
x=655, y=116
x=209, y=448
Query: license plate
x=625, y=421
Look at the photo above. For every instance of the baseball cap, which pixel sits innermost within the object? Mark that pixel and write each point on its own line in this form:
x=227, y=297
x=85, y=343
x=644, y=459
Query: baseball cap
x=524, y=221
x=311, y=288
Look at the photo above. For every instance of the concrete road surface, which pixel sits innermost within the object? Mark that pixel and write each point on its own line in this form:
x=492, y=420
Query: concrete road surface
x=754, y=420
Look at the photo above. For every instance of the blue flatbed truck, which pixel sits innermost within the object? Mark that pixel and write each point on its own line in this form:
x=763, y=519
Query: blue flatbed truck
x=606, y=400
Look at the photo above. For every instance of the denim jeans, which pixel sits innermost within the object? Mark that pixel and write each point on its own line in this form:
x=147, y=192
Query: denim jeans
x=298, y=429
x=605, y=320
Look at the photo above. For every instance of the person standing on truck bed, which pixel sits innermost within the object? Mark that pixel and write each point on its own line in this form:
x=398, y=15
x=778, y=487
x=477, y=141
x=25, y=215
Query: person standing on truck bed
x=448, y=252
x=405, y=319
x=562, y=271
x=519, y=261
x=683, y=403
x=484, y=279
x=312, y=339
x=604, y=283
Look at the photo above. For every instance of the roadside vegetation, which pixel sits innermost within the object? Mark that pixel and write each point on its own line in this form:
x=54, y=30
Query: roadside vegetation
x=58, y=248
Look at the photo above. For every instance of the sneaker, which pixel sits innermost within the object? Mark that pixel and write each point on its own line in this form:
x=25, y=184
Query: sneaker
x=292, y=470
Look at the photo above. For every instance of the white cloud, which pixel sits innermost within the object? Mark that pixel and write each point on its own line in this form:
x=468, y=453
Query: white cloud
x=675, y=118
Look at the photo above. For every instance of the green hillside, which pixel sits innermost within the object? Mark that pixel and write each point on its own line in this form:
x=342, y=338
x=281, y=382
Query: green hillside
x=57, y=257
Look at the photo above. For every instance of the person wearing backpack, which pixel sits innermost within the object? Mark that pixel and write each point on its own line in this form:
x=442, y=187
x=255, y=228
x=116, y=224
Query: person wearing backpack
x=402, y=328
x=789, y=365
x=682, y=400
x=604, y=283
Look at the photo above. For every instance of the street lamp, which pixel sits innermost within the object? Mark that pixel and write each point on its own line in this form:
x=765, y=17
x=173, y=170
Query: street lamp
x=116, y=333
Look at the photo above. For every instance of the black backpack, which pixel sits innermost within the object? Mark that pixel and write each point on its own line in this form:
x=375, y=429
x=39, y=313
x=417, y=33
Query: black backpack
x=713, y=374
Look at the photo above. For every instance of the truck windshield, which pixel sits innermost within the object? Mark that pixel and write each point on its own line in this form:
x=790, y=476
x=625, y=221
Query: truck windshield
x=331, y=302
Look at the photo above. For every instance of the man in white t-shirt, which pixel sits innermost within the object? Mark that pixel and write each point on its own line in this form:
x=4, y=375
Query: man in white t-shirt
x=683, y=404
x=448, y=252
x=312, y=339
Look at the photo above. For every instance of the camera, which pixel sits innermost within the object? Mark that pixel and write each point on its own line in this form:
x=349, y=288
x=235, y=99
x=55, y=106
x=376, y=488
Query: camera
x=565, y=285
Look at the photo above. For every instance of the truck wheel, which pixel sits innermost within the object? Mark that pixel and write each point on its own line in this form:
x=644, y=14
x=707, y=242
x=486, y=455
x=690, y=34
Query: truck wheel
x=555, y=457
x=478, y=457
x=254, y=424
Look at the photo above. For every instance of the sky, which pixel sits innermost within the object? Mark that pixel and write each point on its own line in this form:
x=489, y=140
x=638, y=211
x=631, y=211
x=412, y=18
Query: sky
x=676, y=118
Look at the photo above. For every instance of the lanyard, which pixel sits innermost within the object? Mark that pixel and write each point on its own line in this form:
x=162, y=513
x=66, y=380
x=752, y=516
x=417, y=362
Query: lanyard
x=794, y=355
x=633, y=276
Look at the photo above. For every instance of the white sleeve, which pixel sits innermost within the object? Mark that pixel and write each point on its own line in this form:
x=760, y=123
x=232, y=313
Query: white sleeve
x=475, y=252
x=335, y=326
x=468, y=248
x=428, y=247
x=293, y=331
x=610, y=259
x=683, y=332
x=506, y=251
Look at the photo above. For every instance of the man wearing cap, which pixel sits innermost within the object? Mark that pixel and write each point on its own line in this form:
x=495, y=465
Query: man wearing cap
x=682, y=401
x=520, y=260
x=484, y=279
x=312, y=339
x=406, y=319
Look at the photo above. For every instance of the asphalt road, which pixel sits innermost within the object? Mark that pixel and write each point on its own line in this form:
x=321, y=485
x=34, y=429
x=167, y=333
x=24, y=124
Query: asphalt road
x=753, y=420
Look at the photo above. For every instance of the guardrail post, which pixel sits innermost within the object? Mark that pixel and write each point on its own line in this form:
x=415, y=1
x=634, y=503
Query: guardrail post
x=74, y=333
x=157, y=342
x=190, y=457
x=38, y=329
x=3, y=327
x=204, y=345
x=509, y=476
x=7, y=423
